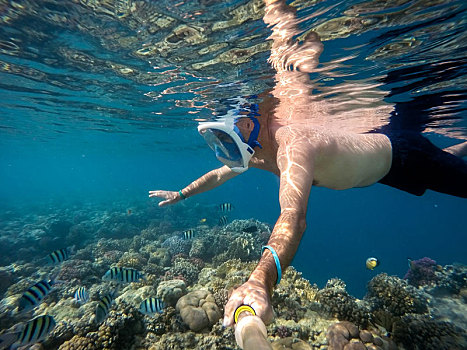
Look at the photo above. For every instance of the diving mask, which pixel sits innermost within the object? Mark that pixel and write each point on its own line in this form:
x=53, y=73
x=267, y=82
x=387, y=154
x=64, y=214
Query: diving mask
x=225, y=139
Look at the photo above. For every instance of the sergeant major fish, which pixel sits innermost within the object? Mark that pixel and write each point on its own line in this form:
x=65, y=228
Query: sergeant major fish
x=189, y=234
x=60, y=255
x=151, y=306
x=103, y=307
x=33, y=331
x=81, y=295
x=226, y=207
x=34, y=295
x=223, y=220
x=122, y=275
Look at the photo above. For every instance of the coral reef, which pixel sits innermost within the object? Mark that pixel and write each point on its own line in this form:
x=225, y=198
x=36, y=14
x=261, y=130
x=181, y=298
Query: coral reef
x=395, y=295
x=346, y=336
x=336, y=302
x=416, y=332
x=185, y=269
x=176, y=245
x=170, y=291
x=421, y=272
x=194, y=278
x=198, y=310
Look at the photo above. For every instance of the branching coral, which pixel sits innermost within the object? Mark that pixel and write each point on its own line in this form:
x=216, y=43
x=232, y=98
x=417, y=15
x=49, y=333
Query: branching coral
x=394, y=295
x=417, y=332
x=335, y=300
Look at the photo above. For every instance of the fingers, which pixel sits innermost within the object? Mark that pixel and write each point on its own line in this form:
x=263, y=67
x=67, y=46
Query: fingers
x=236, y=300
x=156, y=193
x=163, y=203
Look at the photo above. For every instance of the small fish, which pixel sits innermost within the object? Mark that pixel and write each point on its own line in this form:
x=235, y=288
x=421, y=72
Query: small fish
x=189, y=234
x=122, y=275
x=103, y=307
x=151, y=306
x=203, y=220
x=81, y=295
x=60, y=255
x=129, y=212
x=32, y=332
x=34, y=295
x=371, y=263
x=410, y=263
x=223, y=220
x=226, y=207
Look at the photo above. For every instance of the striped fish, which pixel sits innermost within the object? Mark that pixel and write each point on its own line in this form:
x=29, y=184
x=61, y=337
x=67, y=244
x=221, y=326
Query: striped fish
x=59, y=255
x=151, y=306
x=189, y=234
x=103, y=307
x=34, y=295
x=34, y=331
x=122, y=275
x=226, y=207
x=223, y=220
x=81, y=295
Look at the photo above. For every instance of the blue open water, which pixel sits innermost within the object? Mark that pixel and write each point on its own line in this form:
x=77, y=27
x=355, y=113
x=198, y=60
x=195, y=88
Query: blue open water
x=99, y=104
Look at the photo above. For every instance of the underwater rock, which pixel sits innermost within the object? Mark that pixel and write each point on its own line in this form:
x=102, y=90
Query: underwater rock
x=290, y=343
x=198, y=310
x=170, y=291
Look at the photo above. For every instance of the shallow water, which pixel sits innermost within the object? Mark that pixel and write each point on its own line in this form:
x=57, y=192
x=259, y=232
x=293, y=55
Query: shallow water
x=100, y=102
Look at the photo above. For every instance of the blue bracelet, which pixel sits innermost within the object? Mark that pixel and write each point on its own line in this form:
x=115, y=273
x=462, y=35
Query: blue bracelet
x=181, y=194
x=276, y=260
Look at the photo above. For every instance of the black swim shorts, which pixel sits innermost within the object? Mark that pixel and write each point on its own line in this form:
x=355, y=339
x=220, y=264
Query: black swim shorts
x=418, y=165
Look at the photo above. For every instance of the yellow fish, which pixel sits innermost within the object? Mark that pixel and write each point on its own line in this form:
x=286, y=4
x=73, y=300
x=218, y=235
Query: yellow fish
x=203, y=220
x=371, y=263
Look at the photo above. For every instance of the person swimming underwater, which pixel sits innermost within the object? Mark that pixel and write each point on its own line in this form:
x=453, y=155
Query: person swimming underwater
x=285, y=135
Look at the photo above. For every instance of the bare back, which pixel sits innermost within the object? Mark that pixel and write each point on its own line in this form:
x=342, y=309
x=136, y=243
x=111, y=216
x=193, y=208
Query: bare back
x=341, y=160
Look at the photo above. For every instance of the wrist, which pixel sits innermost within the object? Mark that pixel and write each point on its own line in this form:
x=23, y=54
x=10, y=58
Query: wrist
x=182, y=196
x=264, y=278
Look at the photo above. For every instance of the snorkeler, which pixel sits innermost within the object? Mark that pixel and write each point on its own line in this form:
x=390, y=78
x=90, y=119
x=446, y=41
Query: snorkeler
x=287, y=135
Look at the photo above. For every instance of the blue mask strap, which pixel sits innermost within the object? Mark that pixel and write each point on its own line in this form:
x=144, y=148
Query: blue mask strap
x=253, y=139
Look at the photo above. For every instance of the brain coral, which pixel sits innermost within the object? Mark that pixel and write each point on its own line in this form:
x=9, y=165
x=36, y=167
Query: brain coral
x=198, y=310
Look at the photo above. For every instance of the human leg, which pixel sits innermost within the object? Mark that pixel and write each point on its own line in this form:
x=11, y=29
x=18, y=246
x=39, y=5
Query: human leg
x=459, y=150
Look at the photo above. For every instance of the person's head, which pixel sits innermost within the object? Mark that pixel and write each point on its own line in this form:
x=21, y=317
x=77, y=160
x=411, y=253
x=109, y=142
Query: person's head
x=227, y=138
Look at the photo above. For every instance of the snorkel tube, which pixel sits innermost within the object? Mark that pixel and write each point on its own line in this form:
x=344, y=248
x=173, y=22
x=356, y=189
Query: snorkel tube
x=250, y=331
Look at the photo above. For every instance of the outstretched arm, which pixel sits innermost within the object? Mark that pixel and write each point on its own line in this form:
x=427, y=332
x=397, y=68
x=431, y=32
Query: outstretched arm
x=205, y=183
x=296, y=176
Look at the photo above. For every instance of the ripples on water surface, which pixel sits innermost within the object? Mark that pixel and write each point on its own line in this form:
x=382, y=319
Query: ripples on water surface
x=70, y=67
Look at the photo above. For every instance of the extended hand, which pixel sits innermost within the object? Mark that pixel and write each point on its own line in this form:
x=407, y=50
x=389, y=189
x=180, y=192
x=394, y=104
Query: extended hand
x=171, y=197
x=251, y=293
